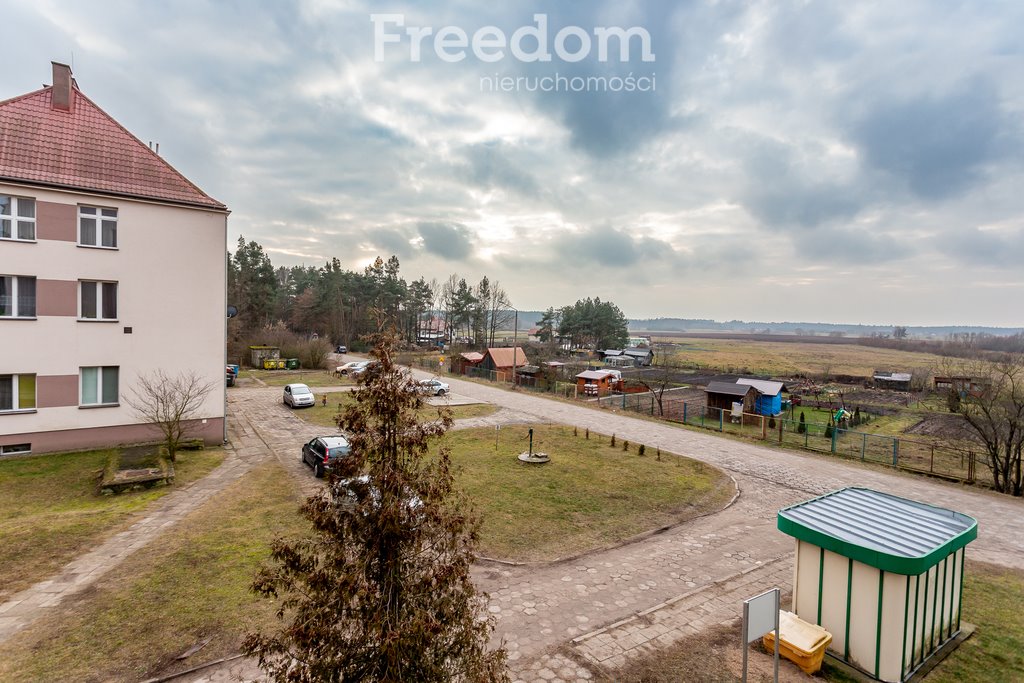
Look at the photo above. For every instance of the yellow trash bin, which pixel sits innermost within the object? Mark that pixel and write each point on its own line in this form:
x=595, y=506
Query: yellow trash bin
x=800, y=642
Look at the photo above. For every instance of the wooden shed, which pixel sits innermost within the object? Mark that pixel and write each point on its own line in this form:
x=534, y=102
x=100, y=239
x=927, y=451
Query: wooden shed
x=721, y=396
x=883, y=574
x=464, y=361
x=595, y=382
x=502, y=360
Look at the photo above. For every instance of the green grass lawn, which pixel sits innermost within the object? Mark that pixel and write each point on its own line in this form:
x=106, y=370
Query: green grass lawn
x=311, y=378
x=323, y=415
x=589, y=496
x=992, y=601
x=191, y=584
x=50, y=512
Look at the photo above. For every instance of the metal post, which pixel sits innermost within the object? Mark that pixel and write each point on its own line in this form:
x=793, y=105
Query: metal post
x=515, y=340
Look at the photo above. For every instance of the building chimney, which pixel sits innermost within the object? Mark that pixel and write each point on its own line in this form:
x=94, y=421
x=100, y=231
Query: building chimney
x=60, y=96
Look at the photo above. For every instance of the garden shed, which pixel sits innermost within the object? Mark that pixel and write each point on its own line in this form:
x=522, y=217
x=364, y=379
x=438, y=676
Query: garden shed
x=595, y=382
x=769, y=395
x=883, y=574
x=896, y=381
x=721, y=396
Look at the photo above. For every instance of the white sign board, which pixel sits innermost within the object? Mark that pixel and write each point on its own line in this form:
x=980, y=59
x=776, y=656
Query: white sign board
x=761, y=615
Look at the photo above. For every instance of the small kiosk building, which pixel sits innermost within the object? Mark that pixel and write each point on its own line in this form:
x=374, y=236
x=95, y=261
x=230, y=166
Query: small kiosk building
x=882, y=574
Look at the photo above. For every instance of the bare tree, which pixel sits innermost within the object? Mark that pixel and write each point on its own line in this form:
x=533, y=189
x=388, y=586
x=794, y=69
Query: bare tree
x=661, y=376
x=990, y=396
x=169, y=403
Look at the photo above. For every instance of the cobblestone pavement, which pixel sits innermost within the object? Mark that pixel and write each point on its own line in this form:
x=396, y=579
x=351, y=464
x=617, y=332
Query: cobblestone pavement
x=687, y=575
x=566, y=620
x=243, y=453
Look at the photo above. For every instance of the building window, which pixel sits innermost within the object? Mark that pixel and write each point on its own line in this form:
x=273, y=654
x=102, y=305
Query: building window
x=17, y=218
x=17, y=296
x=17, y=392
x=98, y=300
x=99, y=386
x=16, y=449
x=97, y=227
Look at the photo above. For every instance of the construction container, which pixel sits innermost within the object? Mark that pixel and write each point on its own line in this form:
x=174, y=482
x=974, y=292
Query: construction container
x=801, y=643
x=883, y=574
x=292, y=363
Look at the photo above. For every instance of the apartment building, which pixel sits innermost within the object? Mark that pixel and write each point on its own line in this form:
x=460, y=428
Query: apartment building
x=111, y=266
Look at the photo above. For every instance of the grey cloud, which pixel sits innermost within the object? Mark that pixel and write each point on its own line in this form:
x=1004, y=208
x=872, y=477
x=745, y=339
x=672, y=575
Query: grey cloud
x=936, y=144
x=488, y=166
x=607, y=246
x=450, y=241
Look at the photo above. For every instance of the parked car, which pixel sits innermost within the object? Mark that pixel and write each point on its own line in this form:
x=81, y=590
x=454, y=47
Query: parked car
x=298, y=395
x=363, y=368
x=322, y=451
x=229, y=376
x=432, y=387
x=348, y=367
x=341, y=348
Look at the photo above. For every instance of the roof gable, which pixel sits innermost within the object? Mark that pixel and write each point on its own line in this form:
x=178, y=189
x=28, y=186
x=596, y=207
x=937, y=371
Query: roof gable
x=728, y=388
x=763, y=386
x=84, y=148
x=503, y=357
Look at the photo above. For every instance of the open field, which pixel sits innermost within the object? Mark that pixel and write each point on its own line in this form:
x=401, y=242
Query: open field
x=50, y=511
x=590, y=495
x=786, y=359
x=192, y=585
x=323, y=415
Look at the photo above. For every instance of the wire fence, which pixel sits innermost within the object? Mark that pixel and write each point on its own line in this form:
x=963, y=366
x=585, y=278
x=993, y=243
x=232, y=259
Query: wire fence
x=908, y=454
x=919, y=456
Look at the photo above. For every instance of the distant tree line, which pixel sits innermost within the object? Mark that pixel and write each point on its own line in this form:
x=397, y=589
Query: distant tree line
x=340, y=305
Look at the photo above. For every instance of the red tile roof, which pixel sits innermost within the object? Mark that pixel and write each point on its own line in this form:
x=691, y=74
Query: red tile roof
x=85, y=149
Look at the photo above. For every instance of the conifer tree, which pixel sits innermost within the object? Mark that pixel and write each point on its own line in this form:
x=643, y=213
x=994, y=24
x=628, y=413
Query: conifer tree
x=381, y=590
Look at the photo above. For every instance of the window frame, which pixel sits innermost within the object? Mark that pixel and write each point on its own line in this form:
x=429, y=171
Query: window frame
x=15, y=296
x=16, y=449
x=100, y=300
x=15, y=219
x=99, y=386
x=99, y=218
x=16, y=393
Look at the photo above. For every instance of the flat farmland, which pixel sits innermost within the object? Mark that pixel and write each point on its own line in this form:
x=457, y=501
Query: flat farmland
x=792, y=358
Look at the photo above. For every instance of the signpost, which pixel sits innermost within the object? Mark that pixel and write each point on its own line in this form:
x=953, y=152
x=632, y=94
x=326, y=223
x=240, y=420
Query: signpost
x=761, y=615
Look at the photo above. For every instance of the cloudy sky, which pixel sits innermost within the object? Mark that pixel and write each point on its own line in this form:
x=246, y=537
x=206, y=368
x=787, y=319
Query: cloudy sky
x=813, y=161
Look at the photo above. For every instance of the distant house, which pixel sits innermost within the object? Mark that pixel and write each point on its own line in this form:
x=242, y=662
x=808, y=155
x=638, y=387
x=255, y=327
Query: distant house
x=642, y=357
x=964, y=386
x=721, y=396
x=619, y=361
x=895, y=381
x=503, y=360
x=769, y=395
x=533, y=334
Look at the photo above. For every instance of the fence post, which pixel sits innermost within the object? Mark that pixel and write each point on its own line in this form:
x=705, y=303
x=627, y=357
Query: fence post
x=781, y=422
x=684, y=412
x=835, y=432
x=764, y=427
x=721, y=420
x=895, y=452
x=863, y=445
x=623, y=401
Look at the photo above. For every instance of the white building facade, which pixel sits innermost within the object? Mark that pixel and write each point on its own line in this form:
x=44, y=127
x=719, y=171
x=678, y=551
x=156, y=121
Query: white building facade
x=112, y=266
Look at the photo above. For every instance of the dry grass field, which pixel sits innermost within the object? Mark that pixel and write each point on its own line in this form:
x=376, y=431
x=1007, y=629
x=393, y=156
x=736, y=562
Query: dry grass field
x=793, y=358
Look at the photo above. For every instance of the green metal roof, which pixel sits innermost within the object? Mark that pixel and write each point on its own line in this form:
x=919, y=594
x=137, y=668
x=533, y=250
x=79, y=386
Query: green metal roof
x=880, y=530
